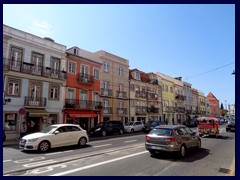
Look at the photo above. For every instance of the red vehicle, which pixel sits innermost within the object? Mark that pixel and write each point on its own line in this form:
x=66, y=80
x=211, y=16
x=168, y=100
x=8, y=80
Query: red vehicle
x=208, y=126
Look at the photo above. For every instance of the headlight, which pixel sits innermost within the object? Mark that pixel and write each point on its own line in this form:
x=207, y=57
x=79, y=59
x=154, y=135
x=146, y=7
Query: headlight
x=98, y=129
x=32, y=140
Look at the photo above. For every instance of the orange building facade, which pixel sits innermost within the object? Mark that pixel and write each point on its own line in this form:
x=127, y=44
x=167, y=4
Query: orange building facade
x=214, y=105
x=82, y=99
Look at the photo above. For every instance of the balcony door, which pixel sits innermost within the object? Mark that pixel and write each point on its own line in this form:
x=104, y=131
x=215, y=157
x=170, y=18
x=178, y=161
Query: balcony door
x=35, y=94
x=85, y=73
x=84, y=98
x=105, y=107
x=71, y=97
x=105, y=88
x=16, y=58
x=37, y=61
x=55, y=67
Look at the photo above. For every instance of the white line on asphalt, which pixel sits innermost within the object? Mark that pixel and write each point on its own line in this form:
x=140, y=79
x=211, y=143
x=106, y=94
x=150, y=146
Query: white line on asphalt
x=39, y=163
x=130, y=141
x=7, y=160
x=49, y=154
x=97, y=164
x=102, y=145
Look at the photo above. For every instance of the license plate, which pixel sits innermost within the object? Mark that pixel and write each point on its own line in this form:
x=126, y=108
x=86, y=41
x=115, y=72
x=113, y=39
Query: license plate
x=155, y=147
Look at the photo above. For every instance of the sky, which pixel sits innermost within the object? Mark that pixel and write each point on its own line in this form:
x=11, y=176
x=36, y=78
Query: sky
x=192, y=41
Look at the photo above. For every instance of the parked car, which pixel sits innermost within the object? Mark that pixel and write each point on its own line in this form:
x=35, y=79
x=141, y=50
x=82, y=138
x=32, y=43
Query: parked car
x=191, y=123
x=56, y=135
x=152, y=124
x=133, y=126
x=107, y=127
x=172, y=138
x=230, y=127
x=4, y=136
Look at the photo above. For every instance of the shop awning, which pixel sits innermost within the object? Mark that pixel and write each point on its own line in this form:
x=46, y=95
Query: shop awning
x=37, y=112
x=79, y=114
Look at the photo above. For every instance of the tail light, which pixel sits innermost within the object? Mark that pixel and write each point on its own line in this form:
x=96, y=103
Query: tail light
x=170, y=139
x=148, y=137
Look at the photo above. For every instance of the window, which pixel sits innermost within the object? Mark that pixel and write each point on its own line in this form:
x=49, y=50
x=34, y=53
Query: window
x=76, y=52
x=85, y=70
x=55, y=66
x=10, y=122
x=166, y=88
x=106, y=67
x=163, y=103
x=167, y=104
x=13, y=87
x=171, y=89
x=137, y=75
x=72, y=67
x=96, y=73
x=132, y=87
x=54, y=92
x=16, y=58
x=120, y=71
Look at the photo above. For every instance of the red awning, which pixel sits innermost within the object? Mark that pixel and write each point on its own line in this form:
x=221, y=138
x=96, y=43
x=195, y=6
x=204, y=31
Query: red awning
x=82, y=115
x=79, y=114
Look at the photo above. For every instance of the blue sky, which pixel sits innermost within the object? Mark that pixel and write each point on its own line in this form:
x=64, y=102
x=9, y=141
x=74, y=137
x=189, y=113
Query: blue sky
x=196, y=42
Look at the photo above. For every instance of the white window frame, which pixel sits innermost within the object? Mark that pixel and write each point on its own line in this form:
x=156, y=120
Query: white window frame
x=15, y=82
x=71, y=68
x=96, y=71
x=106, y=67
x=120, y=71
x=56, y=92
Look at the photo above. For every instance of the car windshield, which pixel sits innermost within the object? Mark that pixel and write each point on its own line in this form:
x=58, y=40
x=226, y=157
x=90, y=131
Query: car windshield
x=99, y=124
x=154, y=123
x=49, y=129
x=129, y=123
x=161, y=132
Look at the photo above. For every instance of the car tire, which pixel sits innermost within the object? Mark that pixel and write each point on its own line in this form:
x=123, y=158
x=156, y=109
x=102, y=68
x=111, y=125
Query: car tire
x=82, y=141
x=44, y=146
x=104, y=133
x=120, y=131
x=182, y=151
x=132, y=130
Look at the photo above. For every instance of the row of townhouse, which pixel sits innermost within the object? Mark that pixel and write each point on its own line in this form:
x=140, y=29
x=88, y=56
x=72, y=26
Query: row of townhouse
x=46, y=83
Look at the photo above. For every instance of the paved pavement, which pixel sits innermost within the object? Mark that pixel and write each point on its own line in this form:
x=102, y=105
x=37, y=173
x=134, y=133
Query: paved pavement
x=11, y=142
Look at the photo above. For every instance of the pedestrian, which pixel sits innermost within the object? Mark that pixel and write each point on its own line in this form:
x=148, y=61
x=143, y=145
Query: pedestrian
x=23, y=129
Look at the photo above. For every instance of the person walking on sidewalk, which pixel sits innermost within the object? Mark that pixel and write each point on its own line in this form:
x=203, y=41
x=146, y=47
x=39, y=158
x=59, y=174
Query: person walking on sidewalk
x=23, y=129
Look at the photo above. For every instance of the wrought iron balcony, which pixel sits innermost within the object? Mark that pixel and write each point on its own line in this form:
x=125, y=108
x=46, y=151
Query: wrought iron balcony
x=106, y=92
x=121, y=111
x=180, y=97
x=140, y=110
x=153, y=109
x=85, y=78
x=140, y=94
x=29, y=68
x=152, y=95
x=121, y=94
x=170, y=109
x=35, y=101
x=82, y=104
x=106, y=110
x=180, y=109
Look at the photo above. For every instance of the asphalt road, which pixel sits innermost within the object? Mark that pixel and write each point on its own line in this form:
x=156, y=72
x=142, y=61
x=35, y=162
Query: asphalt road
x=123, y=156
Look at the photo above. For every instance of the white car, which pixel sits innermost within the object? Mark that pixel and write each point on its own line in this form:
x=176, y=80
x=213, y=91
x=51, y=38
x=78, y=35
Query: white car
x=133, y=126
x=56, y=135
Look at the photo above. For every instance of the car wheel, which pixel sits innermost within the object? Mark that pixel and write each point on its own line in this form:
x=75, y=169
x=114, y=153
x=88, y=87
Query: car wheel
x=82, y=141
x=199, y=144
x=120, y=131
x=104, y=133
x=132, y=130
x=182, y=151
x=44, y=146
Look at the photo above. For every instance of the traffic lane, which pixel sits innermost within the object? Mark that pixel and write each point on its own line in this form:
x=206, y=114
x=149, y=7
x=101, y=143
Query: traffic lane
x=21, y=158
x=138, y=161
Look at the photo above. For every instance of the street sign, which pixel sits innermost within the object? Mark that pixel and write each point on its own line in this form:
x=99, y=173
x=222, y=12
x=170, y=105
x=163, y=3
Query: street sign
x=22, y=111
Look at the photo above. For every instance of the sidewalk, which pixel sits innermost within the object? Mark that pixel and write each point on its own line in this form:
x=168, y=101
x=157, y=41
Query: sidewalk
x=11, y=142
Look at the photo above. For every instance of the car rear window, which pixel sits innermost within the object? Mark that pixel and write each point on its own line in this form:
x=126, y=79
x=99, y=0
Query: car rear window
x=161, y=132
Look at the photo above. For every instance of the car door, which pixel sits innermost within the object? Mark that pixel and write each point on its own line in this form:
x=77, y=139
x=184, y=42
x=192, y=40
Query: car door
x=184, y=136
x=61, y=138
x=193, y=138
x=138, y=126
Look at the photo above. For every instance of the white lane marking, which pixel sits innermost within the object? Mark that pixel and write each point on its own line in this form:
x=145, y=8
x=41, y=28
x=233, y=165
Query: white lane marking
x=53, y=153
x=29, y=160
x=130, y=141
x=97, y=164
x=39, y=163
x=68, y=151
x=7, y=160
x=102, y=145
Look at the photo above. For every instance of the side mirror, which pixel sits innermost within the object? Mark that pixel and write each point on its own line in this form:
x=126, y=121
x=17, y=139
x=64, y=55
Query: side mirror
x=194, y=133
x=56, y=132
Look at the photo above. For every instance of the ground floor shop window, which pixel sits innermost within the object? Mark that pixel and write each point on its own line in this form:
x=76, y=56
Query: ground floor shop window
x=10, y=122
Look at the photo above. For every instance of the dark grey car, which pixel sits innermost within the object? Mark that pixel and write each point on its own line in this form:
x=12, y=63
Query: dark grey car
x=172, y=138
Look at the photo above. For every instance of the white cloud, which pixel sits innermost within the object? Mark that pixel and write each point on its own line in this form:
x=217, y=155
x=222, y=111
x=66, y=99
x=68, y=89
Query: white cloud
x=43, y=27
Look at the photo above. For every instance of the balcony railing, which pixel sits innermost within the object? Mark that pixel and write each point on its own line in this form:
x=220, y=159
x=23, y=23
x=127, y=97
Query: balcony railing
x=107, y=110
x=170, y=109
x=180, y=109
x=152, y=95
x=153, y=110
x=35, y=101
x=106, y=92
x=82, y=104
x=85, y=78
x=121, y=94
x=140, y=110
x=29, y=68
x=121, y=111
x=140, y=94
x=180, y=97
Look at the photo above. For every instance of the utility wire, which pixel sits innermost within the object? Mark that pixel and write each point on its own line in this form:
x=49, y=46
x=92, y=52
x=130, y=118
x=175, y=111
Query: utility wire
x=211, y=70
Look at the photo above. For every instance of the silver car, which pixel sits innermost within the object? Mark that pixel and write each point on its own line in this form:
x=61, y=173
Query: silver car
x=172, y=138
